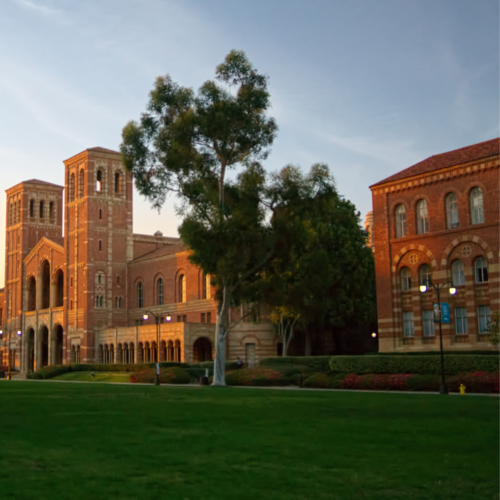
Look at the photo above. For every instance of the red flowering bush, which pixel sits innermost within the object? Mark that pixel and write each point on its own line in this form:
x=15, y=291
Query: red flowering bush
x=256, y=377
x=480, y=382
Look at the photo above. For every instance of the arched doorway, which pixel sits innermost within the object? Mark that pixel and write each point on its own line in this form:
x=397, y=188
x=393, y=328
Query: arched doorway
x=58, y=347
x=31, y=350
x=177, y=351
x=45, y=275
x=59, y=288
x=44, y=346
x=202, y=350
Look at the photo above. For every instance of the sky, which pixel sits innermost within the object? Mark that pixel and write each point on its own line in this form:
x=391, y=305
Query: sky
x=369, y=88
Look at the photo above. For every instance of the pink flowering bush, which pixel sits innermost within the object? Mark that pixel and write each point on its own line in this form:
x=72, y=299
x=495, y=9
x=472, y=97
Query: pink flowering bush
x=482, y=382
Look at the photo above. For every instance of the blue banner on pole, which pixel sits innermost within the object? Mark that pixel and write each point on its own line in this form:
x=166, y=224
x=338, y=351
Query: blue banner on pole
x=445, y=312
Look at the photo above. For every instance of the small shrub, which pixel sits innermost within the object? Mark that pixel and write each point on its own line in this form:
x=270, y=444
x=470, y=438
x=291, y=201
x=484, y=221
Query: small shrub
x=257, y=377
x=324, y=381
x=49, y=372
x=173, y=375
x=424, y=383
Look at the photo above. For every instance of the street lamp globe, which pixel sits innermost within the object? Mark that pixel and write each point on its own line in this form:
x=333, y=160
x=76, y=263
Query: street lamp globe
x=145, y=317
x=168, y=317
x=453, y=290
x=423, y=288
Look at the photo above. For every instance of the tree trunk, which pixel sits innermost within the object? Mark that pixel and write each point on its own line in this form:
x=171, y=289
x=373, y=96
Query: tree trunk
x=221, y=330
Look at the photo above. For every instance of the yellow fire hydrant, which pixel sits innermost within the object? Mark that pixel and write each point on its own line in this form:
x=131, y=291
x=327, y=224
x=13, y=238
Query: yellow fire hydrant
x=462, y=389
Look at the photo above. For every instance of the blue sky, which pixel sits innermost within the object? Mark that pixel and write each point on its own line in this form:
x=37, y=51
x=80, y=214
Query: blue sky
x=369, y=87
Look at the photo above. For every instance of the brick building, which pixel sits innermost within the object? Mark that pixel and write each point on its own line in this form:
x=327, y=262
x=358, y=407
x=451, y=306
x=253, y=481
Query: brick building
x=78, y=292
x=438, y=219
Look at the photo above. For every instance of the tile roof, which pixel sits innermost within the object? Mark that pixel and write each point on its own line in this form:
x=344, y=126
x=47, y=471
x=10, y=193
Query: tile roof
x=36, y=181
x=443, y=160
x=162, y=251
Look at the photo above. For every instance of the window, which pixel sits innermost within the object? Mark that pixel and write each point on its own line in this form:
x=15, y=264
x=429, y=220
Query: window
x=100, y=245
x=140, y=302
x=101, y=301
x=42, y=209
x=100, y=214
x=428, y=318
x=71, y=190
x=424, y=274
x=100, y=278
x=408, y=324
x=159, y=291
x=182, y=288
x=461, y=320
x=400, y=221
x=209, y=317
x=451, y=211
x=405, y=279
x=118, y=302
x=203, y=317
x=118, y=183
x=422, y=217
x=476, y=206
x=457, y=270
x=207, y=286
x=51, y=210
x=32, y=208
x=81, y=185
x=484, y=317
x=118, y=280
x=98, y=182
x=481, y=270
x=71, y=281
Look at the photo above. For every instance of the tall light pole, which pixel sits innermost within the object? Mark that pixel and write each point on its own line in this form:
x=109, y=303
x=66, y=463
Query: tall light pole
x=427, y=283
x=145, y=317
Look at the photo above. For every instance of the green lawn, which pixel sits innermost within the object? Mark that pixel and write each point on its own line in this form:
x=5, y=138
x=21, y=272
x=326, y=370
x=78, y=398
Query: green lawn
x=105, y=441
x=98, y=377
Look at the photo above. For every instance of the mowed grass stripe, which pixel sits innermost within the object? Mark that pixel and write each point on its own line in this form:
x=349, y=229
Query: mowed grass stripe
x=108, y=441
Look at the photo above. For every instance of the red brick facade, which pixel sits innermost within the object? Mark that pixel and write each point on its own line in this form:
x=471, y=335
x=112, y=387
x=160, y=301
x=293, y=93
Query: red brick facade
x=81, y=297
x=449, y=235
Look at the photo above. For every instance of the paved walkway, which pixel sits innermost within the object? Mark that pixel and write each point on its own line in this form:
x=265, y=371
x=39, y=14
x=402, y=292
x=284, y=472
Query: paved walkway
x=287, y=388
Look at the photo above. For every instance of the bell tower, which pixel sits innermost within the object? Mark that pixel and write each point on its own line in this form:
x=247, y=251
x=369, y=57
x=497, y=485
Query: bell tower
x=98, y=245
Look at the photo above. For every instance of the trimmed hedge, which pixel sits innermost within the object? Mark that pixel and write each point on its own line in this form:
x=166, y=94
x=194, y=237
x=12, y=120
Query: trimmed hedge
x=453, y=365
x=316, y=363
x=433, y=353
x=172, y=375
x=257, y=377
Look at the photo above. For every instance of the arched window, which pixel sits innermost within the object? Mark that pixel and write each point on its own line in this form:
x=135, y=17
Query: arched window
x=100, y=214
x=457, y=270
x=159, y=291
x=424, y=274
x=140, y=300
x=101, y=301
x=100, y=278
x=118, y=183
x=118, y=280
x=118, y=302
x=405, y=279
x=32, y=208
x=182, y=289
x=476, y=206
x=42, y=211
x=71, y=190
x=481, y=270
x=400, y=221
x=100, y=245
x=81, y=185
x=98, y=182
x=51, y=210
x=451, y=211
x=422, y=217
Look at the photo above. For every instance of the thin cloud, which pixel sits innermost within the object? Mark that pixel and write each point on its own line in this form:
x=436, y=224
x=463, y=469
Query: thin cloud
x=44, y=10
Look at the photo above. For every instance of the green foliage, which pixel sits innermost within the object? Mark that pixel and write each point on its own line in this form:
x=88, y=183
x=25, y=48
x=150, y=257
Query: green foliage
x=257, y=377
x=424, y=383
x=454, y=365
x=434, y=353
x=324, y=381
x=50, y=371
x=172, y=375
x=478, y=382
x=494, y=328
x=315, y=363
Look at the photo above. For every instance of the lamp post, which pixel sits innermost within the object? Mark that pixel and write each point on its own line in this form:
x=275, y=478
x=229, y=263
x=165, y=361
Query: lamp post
x=145, y=317
x=427, y=283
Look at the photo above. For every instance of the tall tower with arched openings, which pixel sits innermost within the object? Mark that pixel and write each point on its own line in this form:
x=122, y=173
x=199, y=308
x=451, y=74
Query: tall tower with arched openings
x=34, y=211
x=98, y=245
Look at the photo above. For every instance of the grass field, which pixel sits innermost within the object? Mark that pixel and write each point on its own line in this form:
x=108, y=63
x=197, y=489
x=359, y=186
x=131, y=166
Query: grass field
x=98, y=377
x=104, y=441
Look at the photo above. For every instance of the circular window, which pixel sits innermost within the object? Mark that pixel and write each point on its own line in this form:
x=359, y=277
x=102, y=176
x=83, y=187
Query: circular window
x=466, y=250
x=413, y=258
